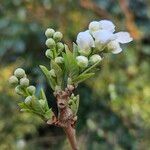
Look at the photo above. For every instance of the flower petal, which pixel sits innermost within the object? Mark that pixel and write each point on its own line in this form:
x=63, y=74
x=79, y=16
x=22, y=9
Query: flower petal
x=103, y=36
x=123, y=37
x=94, y=26
x=85, y=40
x=107, y=25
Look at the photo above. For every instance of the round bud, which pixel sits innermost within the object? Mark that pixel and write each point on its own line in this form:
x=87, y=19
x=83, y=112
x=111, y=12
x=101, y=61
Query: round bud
x=69, y=81
x=42, y=102
x=94, y=59
x=60, y=46
x=31, y=89
x=18, y=90
x=49, y=53
x=59, y=60
x=52, y=73
x=58, y=36
x=24, y=82
x=49, y=32
x=82, y=61
x=50, y=43
x=28, y=100
x=19, y=73
x=13, y=80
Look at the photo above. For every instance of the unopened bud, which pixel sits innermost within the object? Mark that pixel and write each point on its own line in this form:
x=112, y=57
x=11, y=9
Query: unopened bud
x=31, y=89
x=50, y=43
x=18, y=90
x=13, y=80
x=58, y=36
x=28, y=100
x=82, y=61
x=24, y=82
x=60, y=46
x=19, y=73
x=42, y=102
x=49, y=32
x=59, y=60
x=49, y=53
x=94, y=59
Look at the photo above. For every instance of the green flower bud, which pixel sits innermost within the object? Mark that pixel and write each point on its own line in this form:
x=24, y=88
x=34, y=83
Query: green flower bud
x=13, y=80
x=24, y=82
x=49, y=53
x=84, y=52
x=58, y=36
x=42, y=102
x=59, y=60
x=28, y=100
x=82, y=61
x=60, y=46
x=18, y=90
x=50, y=43
x=49, y=32
x=94, y=59
x=19, y=73
x=31, y=89
x=52, y=73
x=69, y=81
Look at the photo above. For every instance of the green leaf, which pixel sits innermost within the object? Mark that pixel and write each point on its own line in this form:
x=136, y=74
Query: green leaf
x=75, y=50
x=70, y=63
x=42, y=94
x=82, y=77
x=48, y=115
x=58, y=72
x=90, y=68
x=50, y=79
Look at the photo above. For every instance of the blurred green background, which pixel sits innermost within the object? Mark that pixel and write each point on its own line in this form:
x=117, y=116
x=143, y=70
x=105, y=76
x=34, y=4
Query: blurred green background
x=114, y=111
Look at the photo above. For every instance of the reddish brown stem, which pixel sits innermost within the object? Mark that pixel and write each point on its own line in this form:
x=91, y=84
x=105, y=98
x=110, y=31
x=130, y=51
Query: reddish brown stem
x=71, y=135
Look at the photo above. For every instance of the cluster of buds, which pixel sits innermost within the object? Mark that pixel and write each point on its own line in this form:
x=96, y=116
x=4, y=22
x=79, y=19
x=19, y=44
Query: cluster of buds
x=20, y=80
x=31, y=103
x=54, y=44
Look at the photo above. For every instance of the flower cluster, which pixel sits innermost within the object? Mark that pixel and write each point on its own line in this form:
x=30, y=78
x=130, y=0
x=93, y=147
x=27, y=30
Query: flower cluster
x=31, y=102
x=101, y=36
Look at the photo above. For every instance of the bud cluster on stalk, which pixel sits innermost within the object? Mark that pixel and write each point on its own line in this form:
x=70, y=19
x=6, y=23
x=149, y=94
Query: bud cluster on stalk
x=31, y=102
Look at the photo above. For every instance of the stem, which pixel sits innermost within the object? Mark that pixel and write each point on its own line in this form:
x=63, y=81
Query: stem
x=71, y=135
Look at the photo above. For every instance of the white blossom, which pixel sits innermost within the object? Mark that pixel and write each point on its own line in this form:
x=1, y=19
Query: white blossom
x=85, y=42
x=107, y=25
x=103, y=36
x=94, y=26
x=121, y=37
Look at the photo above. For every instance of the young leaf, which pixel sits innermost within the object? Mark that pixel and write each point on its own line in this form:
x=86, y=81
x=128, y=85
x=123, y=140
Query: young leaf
x=75, y=50
x=90, y=68
x=58, y=72
x=82, y=77
x=50, y=79
x=70, y=63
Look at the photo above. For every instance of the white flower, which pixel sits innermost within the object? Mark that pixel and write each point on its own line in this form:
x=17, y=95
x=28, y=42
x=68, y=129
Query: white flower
x=85, y=42
x=82, y=61
x=107, y=25
x=94, y=26
x=121, y=37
